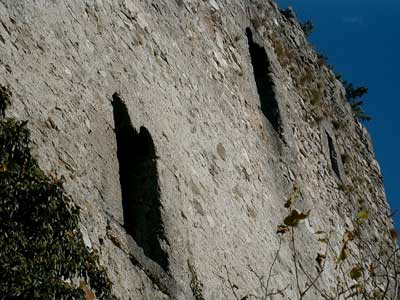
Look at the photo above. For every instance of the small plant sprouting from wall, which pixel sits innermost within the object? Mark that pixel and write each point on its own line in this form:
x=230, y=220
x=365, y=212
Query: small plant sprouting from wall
x=42, y=253
x=307, y=27
x=353, y=94
x=322, y=60
x=286, y=56
x=195, y=284
x=316, y=96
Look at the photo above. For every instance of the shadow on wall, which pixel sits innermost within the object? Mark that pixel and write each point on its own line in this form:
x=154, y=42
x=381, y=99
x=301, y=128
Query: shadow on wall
x=333, y=156
x=264, y=83
x=139, y=184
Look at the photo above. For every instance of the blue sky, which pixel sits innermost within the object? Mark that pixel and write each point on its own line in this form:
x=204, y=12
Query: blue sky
x=361, y=39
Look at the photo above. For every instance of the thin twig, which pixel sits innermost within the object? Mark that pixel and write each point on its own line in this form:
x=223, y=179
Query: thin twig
x=312, y=283
x=271, y=268
x=232, y=286
x=295, y=265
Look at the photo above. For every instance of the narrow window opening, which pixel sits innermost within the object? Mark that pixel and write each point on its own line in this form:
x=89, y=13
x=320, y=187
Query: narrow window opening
x=264, y=83
x=333, y=156
x=139, y=184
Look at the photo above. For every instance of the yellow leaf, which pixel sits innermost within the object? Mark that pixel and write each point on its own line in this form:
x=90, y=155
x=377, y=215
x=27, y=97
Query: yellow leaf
x=294, y=218
x=362, y=214
x=348, y=236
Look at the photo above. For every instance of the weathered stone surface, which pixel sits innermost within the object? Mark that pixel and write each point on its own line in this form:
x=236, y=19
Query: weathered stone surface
x=184, y=71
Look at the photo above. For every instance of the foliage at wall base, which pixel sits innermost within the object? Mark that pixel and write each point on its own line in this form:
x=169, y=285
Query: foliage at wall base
x=42, y=253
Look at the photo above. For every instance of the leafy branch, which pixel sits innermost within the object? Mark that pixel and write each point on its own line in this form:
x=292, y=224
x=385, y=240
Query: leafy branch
x=362, y=271
x=353, y=96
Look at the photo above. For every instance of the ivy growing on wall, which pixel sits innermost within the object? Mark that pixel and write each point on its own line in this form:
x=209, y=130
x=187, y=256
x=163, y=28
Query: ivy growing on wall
x=42, y=253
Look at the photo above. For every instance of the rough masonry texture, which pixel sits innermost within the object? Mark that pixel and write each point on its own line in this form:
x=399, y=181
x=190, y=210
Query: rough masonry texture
x=228, y=108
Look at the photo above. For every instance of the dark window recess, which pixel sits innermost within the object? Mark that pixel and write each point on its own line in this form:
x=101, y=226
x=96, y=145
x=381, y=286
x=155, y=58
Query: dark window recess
x=264, y=83
x=139, y=184
x=333, y=155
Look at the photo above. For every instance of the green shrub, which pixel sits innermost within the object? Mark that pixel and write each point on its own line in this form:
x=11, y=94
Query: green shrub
x=5, y=99
x=42, y=253
x=322, y=59
x=316, y=96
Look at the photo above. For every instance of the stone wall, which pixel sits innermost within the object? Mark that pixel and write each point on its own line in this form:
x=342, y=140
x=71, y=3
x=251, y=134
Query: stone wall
x=238, y=108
